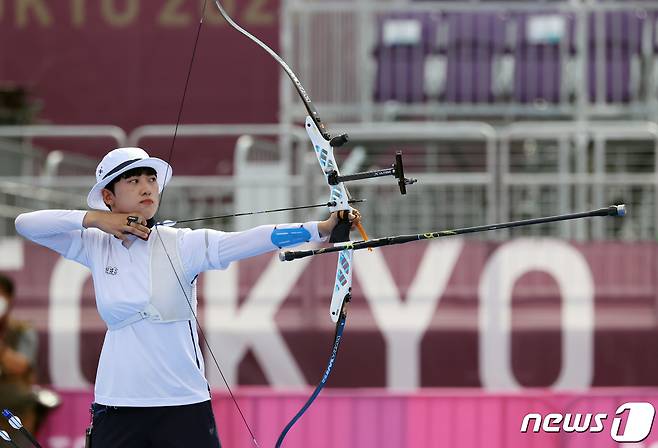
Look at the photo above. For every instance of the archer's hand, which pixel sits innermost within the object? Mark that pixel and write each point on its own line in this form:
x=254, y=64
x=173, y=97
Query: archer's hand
x=117, y=224
x=326, y=227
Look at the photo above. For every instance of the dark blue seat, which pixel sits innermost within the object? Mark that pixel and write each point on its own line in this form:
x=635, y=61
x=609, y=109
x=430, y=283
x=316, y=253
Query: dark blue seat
x=543, y=69
x=404, y=41
x=474, y=41
x=621, y=35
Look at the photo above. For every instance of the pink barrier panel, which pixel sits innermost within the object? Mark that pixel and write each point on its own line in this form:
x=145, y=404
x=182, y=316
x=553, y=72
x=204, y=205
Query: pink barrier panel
x=466, y=418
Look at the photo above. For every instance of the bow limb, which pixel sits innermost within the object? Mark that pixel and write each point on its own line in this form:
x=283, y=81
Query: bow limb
x=339, y=202
x=316, y=129
x=340, y=326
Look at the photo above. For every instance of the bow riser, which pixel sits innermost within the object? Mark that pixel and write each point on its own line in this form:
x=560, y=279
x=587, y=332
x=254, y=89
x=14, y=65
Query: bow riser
x=342, y=284
x=339, y=195
x=325, y=155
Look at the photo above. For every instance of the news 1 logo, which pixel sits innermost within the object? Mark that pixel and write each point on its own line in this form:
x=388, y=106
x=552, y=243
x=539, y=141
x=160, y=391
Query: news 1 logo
x=634, y=427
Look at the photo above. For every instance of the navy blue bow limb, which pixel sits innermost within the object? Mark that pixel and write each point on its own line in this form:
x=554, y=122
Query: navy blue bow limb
x=340, y=326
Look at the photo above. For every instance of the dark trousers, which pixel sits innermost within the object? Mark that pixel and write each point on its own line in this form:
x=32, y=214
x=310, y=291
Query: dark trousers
x=185, y=426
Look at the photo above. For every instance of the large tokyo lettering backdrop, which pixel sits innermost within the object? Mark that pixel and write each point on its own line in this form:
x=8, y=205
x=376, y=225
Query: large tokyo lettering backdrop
x=450, y=313
x=583, y=316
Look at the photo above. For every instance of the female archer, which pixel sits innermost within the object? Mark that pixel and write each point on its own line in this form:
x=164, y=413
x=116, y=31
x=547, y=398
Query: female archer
x=150, y=387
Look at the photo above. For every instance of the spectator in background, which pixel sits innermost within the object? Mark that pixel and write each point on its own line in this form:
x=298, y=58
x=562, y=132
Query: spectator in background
x=18, y=355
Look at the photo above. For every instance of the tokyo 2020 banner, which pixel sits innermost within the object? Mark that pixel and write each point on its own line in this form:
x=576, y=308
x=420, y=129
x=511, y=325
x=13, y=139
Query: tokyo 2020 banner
x=502, y=316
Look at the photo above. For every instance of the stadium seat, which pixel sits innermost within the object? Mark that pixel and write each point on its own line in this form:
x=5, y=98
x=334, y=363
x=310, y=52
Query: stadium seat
x=652, y=87
x=622, y=34
x=404, y=42
x=545, y=55
x=478, y=57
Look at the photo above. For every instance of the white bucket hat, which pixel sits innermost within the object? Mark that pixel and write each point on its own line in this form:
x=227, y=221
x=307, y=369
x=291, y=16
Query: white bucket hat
x=119, y=161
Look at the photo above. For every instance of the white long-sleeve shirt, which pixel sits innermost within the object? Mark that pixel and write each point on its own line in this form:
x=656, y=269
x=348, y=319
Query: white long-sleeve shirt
x=146, y=363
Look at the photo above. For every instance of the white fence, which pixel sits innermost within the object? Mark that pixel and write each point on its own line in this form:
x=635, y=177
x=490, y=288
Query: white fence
x=469, y=173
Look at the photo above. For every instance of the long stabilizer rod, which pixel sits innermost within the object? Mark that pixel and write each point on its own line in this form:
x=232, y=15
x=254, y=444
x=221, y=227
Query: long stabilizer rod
x=613, y=210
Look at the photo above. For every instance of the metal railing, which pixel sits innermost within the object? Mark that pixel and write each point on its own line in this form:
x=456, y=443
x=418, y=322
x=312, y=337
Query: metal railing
x=454, y=164
x=31, y=180
x=469, y=173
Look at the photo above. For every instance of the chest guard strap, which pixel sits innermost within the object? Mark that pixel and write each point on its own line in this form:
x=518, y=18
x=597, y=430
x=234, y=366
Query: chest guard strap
x=168, y=302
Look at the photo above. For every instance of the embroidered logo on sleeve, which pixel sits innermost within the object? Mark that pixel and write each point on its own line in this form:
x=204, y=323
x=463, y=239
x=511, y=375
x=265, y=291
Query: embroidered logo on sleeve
x=111, y=270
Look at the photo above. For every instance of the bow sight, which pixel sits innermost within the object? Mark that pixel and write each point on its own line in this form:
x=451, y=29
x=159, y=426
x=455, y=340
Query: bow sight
x=396, y=170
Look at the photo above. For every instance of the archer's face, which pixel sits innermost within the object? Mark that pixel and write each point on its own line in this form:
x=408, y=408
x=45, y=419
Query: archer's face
x=135, y=194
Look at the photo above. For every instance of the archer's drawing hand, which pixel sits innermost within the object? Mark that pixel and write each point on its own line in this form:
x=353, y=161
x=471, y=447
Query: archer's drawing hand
x=118, y=224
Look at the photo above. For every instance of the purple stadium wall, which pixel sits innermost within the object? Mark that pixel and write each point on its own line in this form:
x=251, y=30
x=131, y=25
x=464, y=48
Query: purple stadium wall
x=124, y=63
